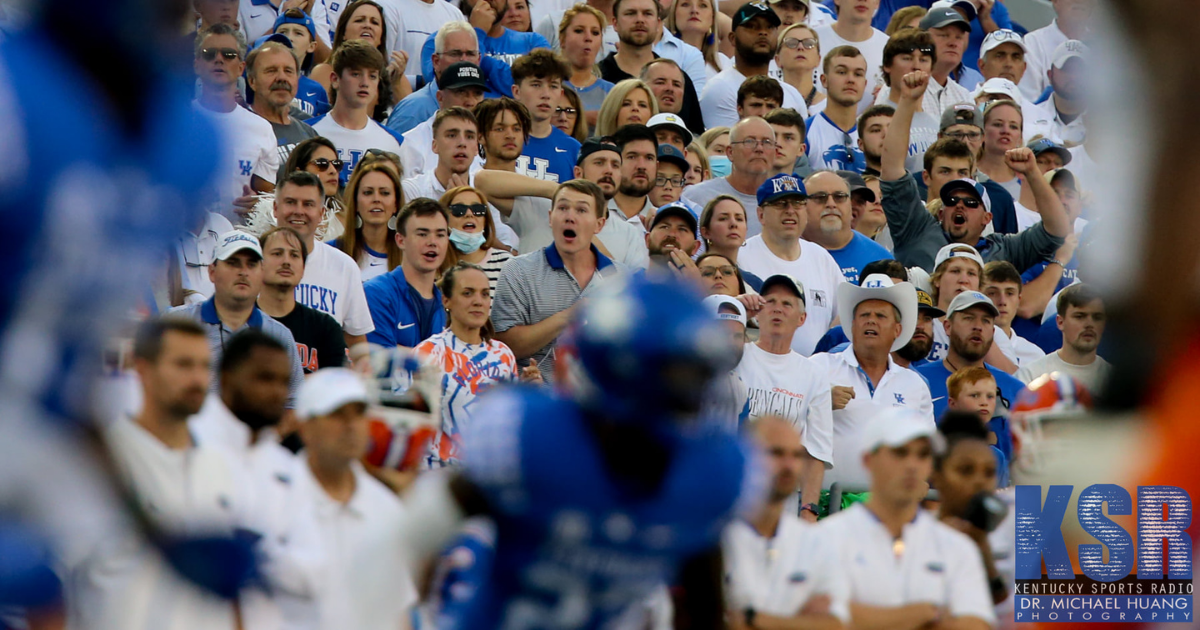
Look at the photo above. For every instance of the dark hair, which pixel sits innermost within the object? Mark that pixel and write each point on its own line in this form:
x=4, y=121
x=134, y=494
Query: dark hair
x=586, y=187
x=958, y=427
x=889, y=267
x=947, y=148
x=419, y=207
x=710, y=208
x=491, y=239
x=461, y=113
x=302, y=154
x=736, y=270
x=239, y=348
x=1077, y=295
x=540, y=63
x=287, y=232
x=339, y=33
x=763, y=87
x=580, y=132
x=148, y=341
x=631, y=133
x=873, y=112
x=446, y=284
x=357, y=54
x=487, y=111
x=352, y=242
x=904, y=41
x=786, y=117
x=302, y=178
x=1001, y=271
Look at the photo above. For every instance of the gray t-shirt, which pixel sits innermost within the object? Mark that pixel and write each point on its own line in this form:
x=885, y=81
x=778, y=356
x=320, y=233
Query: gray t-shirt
x=289, y=135
x=704, y=192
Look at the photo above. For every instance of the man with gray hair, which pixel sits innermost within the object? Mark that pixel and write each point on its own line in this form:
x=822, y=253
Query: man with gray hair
x=752, y=154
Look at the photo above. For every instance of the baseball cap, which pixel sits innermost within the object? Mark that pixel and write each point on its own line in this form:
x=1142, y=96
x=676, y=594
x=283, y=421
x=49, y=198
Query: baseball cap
x=968, y=299
x=941, y=17
x=961, y=114
x=949, y=251
x=1002, y=36
x=235, y=241
x=783, y=279
x=1068, y=50
x=968, y=185
x=667, y=119
x=1063, y=174
x=273, y=37
x=715, y=302
x=964, y=7
x=925, y=303
x=290, y=17
x=857, y=184
x=592, y=146
x=675, y=209
x=779, y=187
x=669, y=153
x=997, y=85
x=327, y=390
x=751, y=10
x=1042, y=145
x=460, y=75
x=897, y=426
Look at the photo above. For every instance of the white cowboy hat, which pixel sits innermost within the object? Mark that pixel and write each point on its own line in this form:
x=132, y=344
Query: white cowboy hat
x=877, y=286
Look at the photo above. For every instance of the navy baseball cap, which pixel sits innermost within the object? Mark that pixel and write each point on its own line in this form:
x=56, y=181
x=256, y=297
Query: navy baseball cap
x=941, y=17
x=858, y=185
x=675, y=209
x=779, y=187
x=751, y=10
x=1042, y=145
x=969, y=185
x=668, y=153
x=290, y=17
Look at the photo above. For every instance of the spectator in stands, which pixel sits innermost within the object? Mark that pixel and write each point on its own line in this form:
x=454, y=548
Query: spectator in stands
x=726, y=399
x=517, y=17
x=723, y=229
x=917, y=349
x=355, y=513
x=1048, y=277
x=798, y=56
x=356, y=69
x=580, y=36
x=456, y=143
x=366, y=20
x=301, y=32
x=761, y=587
x=866, y=209
x=751, y=153
x=630, y=102
x=905, y=52
x=908, y=17
x=639, y=172
x=455, y=42
x=1081, y=318
x=967, y=209
x=568, y=116
x=319, y=340
x=958, y=269
x=950, y=32
x=853, y=28
x=754, y=38
x=789, y=139
x=797, y=12
x=672, y=243
x=212, y=12
x=1002, y=284
x=667, y=81
x=1003, y=56
x=1003, y=129
x=835, y=339
x=472, y=234
x=537, y=84
x=319, y=157
x=1050, y=155
x=537, y=291
x=780, y=249
x=332, y=282
x=698, y=168
x=499, y=41
x=669, y=180
x=373, y=199
x=237, y=277
x=829, y=218
x=758, y=95
x=670, y=130
x=720, y=276
x=715, y=140
x=973, y=390
x=782, y=382
x=832, y=135
x=503, y=129
x=697, y=23
x=1073, y=20
x=405, y=303
x=272, y=74
x=1063, y=112
x=460, y=85
x=872, y=127
x=187, y=271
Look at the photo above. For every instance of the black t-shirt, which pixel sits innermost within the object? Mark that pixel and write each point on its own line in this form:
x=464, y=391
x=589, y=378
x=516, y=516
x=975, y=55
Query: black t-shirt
x=690, y=112
x=319, y=339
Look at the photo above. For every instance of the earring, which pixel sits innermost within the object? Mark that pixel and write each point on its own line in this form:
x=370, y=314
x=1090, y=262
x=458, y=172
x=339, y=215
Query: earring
x=358, y=221
x=392, y=223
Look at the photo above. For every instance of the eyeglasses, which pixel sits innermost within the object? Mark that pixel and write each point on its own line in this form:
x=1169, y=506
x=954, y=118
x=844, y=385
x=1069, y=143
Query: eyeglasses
x=807, y=43
x=969, y=202
x=963, y=136
x=925, y=50
x=209, y=54
x=460, y=54
x=661, y=181
x=796, y=203
x=322, y=164
x=822, y=197
x=459, y=210
x=752, y=143
x=570, y=111
x=724, y=270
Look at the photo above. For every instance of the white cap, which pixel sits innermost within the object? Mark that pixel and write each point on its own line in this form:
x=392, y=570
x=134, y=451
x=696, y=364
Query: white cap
x=1068, y=50
x=671, y=120
x=715, y=302
x=235, y=241
x=1002, y=36
x=967, y=299
x=328, y=390
x=948, y=252
x=878, y=286
x=997, y=85
x=897, y=426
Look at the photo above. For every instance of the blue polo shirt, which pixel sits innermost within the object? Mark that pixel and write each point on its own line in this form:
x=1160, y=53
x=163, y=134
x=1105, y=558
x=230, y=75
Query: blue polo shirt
x=858, y=253
x=401, y=316
x=936, y=374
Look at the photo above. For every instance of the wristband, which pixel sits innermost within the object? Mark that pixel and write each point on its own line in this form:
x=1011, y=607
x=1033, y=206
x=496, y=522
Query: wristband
x=811, y=507
x=1056, y=262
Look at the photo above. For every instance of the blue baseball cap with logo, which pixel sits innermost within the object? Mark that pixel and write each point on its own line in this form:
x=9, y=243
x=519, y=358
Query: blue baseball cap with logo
x=290, y=17
x=779, y=187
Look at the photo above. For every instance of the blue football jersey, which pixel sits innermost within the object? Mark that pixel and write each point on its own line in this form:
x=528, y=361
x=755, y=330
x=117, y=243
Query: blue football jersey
x=574, y=547
x=831, y=147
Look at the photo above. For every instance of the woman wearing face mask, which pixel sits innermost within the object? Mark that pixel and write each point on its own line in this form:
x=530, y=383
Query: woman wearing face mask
x=716, y=141
x=472, y=235
x=373, y=198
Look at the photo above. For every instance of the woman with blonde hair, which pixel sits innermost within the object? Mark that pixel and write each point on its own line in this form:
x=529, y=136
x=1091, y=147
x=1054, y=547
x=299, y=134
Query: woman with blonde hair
x=373, y=198
x=698, y=171
x=798, y=54
x=472, y=233
x=629, y=102
x=908, y=17
x=581, y=39
x=696, y=23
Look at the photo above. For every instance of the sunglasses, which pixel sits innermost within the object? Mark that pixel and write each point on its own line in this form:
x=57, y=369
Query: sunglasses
x=968, y=202
x=822, y=197
x=925, y=50
x=209, y=54
x=807, y=43
x=322, y=164
x=460, y=210
x=724, y=270
x=570, y=111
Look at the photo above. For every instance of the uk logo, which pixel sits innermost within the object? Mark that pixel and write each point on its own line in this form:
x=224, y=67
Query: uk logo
x=899, y=399
x=786, y=183
x=245, y=166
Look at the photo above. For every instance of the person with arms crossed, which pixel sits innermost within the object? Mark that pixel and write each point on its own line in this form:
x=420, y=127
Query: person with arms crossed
x=460, y=85
x=272, y=75
x=754, y=39
x=853, y=28
x=549, y=153
x=405, y=303
x=829, y=222
x=751, y=156
x=782, y=382
x=1081, y=318
x=832, y=138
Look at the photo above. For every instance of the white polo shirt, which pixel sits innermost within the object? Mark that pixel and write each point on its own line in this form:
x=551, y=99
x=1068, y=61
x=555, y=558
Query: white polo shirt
x=1018, y=349
x=899, y=387
x=792, y=386
x=938, y=564
x=816, y=269
x=332, y=284
x=777, y=576
x=1044, y=117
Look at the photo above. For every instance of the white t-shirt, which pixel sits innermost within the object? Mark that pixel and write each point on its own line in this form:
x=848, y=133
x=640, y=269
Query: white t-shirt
x=250, y=145
x=718, y=100
x=417, y=150
x=352, y=144
x=922, y=133
x=418, y=20
x=332, y=284
x=1091, y=376
x=530, y=218
x=778, y=575
x=871, y=49
x=1040, y=46
x=832, y=148
x=816, y=270
x=939, y=565
x=1044, y=119
x=791, y=386
x=1018, y=349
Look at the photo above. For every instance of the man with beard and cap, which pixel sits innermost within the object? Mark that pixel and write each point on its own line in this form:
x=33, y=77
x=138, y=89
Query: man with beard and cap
x=914, y=352
x=971, y=325
x=1063, y=113
x=672, y=242
x=242, y=420
x=727, y=402
x=864, y=379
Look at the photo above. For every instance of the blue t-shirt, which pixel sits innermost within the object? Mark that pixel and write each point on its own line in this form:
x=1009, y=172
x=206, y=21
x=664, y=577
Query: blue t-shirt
x=551, y=158
x=426, y=312
x=936, y=373
x=858, y=253
x=311, y=97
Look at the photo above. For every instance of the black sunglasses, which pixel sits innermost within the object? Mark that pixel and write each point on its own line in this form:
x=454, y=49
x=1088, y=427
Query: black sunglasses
x=925, y=50
x=208, y=54
x=322, y=164
x=460, y=210
x=969, y=202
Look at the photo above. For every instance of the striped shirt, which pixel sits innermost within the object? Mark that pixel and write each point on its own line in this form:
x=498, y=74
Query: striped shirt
x=493, y=265
x=537, y=285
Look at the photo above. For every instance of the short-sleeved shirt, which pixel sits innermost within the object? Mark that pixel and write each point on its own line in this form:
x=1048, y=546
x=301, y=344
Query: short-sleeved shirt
x=831, y=147
x=592, y=96
x=1092, y=376
x=718, y=99
x=551, y=158
x=319, y=340
x=794, y=387
x=352, y=144
x=872, y=52
x=250, y=149
x=936, y=373
x=332, y=284
x=858, y=253
x=289, y=135
x=704, y=192
x=535, y=286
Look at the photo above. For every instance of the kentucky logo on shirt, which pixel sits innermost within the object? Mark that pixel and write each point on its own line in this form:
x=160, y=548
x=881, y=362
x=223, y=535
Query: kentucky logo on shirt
x=786, y=184
x=316, y=297
x=539, y=170
x=246, y=167
x=845, y=158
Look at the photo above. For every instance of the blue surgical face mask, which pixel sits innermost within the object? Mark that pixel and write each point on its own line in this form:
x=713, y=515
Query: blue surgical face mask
x=466, y=242
x=719, y=165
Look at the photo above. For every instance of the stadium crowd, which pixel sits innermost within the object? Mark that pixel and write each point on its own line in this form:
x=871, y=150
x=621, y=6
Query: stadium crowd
x=882, y=201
